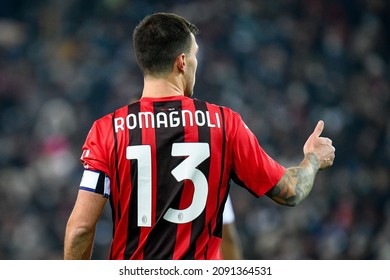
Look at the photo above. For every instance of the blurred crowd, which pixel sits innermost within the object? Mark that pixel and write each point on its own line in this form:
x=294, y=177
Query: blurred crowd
x=282, y=64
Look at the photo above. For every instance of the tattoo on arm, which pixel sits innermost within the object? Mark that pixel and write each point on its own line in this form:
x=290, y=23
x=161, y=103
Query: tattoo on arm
x=296, y=183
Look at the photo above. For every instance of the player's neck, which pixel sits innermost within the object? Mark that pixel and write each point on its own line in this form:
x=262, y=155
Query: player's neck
x=161, y=87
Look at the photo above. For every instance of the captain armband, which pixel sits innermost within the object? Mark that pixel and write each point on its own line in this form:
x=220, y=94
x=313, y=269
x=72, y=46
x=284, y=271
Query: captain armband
x=95, y=181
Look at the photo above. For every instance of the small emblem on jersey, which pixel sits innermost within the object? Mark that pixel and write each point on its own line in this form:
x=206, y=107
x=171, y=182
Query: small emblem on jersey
x=180, y=216
x=85, y=154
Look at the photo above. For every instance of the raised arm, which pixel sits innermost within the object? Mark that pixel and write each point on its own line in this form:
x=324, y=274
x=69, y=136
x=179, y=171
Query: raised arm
x=298, y=181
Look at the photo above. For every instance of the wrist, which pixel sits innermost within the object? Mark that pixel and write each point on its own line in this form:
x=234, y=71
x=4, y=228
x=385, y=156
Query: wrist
x=312, y=159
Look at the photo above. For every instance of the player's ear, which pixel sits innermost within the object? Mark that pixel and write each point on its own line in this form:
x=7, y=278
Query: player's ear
x=181, y=62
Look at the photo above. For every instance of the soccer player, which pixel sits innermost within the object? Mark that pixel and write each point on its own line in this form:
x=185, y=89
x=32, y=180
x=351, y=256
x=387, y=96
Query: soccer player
x=164, y=162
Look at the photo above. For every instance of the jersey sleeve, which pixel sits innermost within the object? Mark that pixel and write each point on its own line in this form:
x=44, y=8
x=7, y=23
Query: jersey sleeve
x=95, y=154
x=253, y=168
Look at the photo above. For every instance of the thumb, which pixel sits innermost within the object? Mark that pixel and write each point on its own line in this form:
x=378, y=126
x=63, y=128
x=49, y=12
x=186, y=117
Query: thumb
x=319, y=128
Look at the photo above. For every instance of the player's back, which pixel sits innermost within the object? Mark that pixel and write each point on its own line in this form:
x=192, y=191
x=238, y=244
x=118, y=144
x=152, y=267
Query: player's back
x=169, y=171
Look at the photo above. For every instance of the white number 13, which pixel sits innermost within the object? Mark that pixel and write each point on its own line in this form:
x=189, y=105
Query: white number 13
x=196, y=153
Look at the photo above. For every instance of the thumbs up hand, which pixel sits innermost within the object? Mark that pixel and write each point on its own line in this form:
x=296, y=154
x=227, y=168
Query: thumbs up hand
x=321, y=147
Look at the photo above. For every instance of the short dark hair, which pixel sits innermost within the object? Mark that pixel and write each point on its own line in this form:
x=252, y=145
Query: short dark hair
x=158, y=39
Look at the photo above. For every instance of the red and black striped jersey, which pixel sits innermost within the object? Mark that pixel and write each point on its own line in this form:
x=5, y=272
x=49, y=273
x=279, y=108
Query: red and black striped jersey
x=169, y=162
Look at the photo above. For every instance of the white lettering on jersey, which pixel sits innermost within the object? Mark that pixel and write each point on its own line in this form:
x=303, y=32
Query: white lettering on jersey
x=166, y=119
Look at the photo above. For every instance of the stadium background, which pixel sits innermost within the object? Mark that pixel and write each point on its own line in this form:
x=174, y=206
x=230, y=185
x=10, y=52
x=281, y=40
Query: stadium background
x=282, y=64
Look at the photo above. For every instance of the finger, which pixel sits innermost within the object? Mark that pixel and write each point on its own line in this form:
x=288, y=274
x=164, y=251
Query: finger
x=319, y=128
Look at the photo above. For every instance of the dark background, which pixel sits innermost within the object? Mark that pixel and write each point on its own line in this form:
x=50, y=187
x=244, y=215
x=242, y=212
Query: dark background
x=283, y=65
